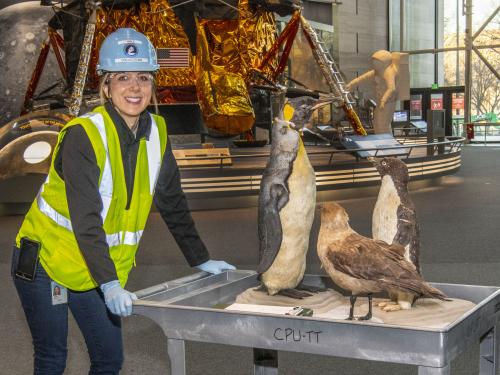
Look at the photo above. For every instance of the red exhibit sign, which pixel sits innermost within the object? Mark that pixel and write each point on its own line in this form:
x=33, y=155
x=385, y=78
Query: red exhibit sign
x=416, y=105
x=436, y=103
x=457, y=103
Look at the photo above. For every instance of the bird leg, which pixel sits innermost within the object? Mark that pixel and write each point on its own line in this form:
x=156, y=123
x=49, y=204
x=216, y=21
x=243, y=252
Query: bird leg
x=261, y=288
x=352, y=299
x=368, y=316
x=294, y=293
x=310, y=288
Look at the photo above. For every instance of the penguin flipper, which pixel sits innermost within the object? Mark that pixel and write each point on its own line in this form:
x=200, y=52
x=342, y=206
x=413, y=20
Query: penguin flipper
x=407, y=220
x=270, y=232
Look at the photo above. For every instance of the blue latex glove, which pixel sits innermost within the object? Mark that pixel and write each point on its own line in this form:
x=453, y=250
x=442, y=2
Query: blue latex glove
x=117, y=299
x=215, y=266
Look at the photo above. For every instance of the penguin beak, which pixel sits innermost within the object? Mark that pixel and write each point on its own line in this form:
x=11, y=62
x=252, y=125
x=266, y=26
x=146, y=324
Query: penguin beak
x=321, y=103
x=374, y=161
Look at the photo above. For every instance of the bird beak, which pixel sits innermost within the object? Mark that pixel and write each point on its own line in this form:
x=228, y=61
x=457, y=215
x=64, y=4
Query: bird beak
x=295, y=127
x=374, y=161
x=321, y=103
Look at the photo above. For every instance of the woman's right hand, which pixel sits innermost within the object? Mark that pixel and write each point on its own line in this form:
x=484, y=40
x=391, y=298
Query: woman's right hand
x=118, y=300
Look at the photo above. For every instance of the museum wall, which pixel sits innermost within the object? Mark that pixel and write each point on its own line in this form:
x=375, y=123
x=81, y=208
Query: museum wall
x=362, y=30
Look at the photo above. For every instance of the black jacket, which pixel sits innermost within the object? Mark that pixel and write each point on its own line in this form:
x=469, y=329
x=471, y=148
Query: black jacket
x=77, y=165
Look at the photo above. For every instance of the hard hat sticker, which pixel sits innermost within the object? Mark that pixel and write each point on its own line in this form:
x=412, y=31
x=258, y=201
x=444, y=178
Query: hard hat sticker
x=131, y=59
x=129, y=41
x=130, y=50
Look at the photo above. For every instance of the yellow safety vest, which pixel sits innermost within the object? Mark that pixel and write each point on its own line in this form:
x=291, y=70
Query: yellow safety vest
x=48, y=220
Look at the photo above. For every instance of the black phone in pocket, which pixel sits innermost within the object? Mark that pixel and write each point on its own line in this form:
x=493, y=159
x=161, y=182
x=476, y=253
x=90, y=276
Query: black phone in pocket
x=28, y=259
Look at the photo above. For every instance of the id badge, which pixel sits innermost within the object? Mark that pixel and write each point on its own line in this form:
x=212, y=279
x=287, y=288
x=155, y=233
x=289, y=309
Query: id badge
x=59, y=293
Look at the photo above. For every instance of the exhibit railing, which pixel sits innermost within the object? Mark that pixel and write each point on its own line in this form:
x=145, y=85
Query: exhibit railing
x=486, y=132
x=451, y=145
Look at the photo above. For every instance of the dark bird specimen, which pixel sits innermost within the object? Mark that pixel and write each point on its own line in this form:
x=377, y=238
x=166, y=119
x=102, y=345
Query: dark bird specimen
x=362, y=265
x=394, y=221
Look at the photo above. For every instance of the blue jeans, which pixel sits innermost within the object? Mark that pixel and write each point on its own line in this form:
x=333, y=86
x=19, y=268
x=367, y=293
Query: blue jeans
x=49, y=326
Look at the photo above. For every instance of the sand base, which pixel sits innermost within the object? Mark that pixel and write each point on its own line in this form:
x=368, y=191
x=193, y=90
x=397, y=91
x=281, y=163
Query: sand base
x=425, y=313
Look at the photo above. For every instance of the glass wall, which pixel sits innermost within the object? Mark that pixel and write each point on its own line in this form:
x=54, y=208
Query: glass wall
x=419, y=32
x=430, y=24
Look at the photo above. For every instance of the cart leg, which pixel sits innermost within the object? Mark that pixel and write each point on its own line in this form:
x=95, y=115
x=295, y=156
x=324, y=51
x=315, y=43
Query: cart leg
x=265, y=362
x=489, y=352
x=177, y=355
x=434, y=370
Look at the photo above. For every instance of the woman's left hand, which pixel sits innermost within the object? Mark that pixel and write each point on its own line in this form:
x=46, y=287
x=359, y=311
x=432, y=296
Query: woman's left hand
x=215, y=266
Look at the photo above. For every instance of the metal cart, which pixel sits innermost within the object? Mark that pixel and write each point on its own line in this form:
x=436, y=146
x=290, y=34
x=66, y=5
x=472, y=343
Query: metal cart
x=188, y=309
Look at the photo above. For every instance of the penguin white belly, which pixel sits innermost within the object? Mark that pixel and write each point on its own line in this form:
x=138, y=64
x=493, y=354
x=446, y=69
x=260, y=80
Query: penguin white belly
x=385, y=226
x=296, y=217
x=385, y=213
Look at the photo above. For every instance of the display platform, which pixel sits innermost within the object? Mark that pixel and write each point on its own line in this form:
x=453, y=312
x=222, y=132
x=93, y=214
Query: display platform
x=192, y=308
x=374, y=145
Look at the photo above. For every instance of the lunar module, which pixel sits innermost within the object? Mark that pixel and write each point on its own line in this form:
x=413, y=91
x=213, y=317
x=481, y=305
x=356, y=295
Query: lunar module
x=224, y=56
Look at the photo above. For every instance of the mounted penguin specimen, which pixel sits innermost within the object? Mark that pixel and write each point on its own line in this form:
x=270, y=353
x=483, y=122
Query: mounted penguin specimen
x=394, y=221
x=287, y=202
x=362, y=265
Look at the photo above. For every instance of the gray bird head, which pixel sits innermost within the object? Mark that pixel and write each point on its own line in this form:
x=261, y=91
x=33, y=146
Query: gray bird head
x=393, y=167
x=285, y=137
x=304, y=106
x=334, y=216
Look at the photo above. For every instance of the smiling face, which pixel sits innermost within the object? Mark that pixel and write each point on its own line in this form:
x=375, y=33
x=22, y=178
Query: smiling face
x=130, y=93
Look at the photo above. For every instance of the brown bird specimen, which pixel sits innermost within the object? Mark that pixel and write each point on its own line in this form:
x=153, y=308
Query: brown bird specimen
x=364, y=266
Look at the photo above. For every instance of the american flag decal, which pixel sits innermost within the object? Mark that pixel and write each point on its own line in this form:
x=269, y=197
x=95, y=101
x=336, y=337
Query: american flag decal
x=173, y=57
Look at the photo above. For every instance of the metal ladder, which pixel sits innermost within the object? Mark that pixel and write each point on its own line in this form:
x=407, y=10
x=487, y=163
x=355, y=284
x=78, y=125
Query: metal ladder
x=332, y=74
x=327, y=64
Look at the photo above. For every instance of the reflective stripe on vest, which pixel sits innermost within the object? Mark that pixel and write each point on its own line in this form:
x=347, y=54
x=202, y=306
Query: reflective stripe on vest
x=124, y=238
x=106, y=185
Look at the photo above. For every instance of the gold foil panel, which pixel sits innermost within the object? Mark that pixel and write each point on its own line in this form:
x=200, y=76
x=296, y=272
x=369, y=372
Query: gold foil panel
x=223, y=95
x=239, y=45
x=158, y=22
x=223, y=43
x=229, y=50
x=257, y=32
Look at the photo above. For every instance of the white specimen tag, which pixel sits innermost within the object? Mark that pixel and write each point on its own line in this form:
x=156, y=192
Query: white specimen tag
x=59, y=293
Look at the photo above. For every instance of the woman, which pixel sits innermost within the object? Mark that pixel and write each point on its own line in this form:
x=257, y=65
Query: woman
x=83, y=229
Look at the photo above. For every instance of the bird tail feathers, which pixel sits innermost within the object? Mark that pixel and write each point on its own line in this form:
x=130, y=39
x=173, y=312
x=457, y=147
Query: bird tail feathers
x=420, y=289
x=432, y=292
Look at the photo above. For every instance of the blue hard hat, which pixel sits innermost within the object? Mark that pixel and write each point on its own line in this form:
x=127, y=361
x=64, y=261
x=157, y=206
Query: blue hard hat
x=127, y=50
